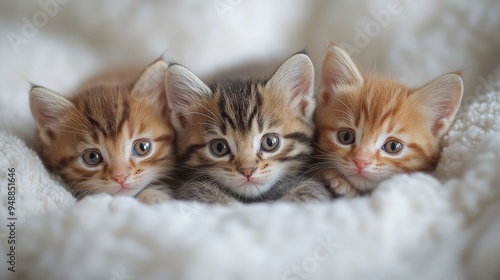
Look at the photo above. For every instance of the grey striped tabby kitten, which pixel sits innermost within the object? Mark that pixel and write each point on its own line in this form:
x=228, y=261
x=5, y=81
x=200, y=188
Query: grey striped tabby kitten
x=244, y=140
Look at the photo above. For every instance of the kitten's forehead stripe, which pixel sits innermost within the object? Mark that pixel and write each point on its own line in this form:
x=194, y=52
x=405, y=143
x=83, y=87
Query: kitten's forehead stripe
x=254, y=111
x=124, y=116
x=239, y=103
x=223, y=126
x=222, y=108
x=376, y=111
x=256, y=106
x=106, y=117
x=260, y=123
x=95, y=125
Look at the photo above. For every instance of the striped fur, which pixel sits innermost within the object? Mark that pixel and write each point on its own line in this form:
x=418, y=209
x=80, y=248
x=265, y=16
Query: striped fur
x=378, y=110
x=108, y=116
x=241, y=112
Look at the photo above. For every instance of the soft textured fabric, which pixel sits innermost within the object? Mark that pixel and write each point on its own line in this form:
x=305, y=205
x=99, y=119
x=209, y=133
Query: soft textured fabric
x=443, y=225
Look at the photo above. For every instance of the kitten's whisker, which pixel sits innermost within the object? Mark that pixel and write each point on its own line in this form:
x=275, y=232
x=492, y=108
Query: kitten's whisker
x=348, y=120
x=85, y=122
x=316, y=167
x=347, y=107
x=202, y=114
x=349, y=98
x=72, y=132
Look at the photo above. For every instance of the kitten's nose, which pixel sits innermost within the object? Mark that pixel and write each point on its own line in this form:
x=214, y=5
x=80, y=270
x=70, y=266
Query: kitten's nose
x=120, y=178
x=247, y=171
x=361, y=163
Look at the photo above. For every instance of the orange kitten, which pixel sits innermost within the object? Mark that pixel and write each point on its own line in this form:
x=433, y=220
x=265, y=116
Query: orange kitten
x=112, y=136
x=371, y=128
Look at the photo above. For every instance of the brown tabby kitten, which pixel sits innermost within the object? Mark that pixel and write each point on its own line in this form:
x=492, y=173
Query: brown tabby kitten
x=112, y=136
x=371, y=128
x=244, y=140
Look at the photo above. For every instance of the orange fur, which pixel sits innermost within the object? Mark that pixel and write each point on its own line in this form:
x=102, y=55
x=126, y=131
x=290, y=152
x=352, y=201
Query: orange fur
x=377, y=110
x=111, y=118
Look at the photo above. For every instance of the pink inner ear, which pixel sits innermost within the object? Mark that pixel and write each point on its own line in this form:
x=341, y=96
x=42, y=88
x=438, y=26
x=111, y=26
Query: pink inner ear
x=46, y=118
x=438, y=125
x=303, y=106
x=303, y=86
x=162, y=101
x=182, y=119
x=50, y=134
x=442, y=97
x=328, y=75
x=339, y=69
x=444, y=112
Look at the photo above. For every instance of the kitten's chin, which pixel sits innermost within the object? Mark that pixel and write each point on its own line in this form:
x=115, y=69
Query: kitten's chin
x=252, y=189
x=362, y=183
x=127, y=190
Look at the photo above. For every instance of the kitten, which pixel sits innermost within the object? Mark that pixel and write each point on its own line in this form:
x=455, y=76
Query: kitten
x=112, y=136
x=370, y=128
x=245, y=140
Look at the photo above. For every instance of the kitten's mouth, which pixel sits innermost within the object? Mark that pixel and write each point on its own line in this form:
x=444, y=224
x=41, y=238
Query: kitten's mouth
x=125, y=188
x=253, y=187
x=249, y=183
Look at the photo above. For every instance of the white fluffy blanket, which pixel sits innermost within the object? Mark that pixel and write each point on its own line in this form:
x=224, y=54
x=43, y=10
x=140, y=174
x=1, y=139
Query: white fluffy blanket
x=443, y=225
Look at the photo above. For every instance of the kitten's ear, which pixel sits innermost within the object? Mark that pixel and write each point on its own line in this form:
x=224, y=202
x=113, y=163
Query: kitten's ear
x=441, y=98
x=48, y=109
x=151, y=84
x=295, y=78
x=339, y=73
x=183, y=90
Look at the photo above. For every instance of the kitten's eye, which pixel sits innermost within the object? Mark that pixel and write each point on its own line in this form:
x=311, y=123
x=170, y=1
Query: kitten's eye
x=270, y=142
x=219, y=148
x=92, y=157
x=141, y=147
x=346, y=137
x=392, y=147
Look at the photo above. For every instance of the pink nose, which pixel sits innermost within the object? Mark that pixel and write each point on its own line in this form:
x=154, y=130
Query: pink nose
x=120, y=178
x=361, y=163
x=247, y=171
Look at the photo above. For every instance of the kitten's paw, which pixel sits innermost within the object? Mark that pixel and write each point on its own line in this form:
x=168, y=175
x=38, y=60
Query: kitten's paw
x=307, y=191
x=153, y=196
x=205, y=192
x=340, y=186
